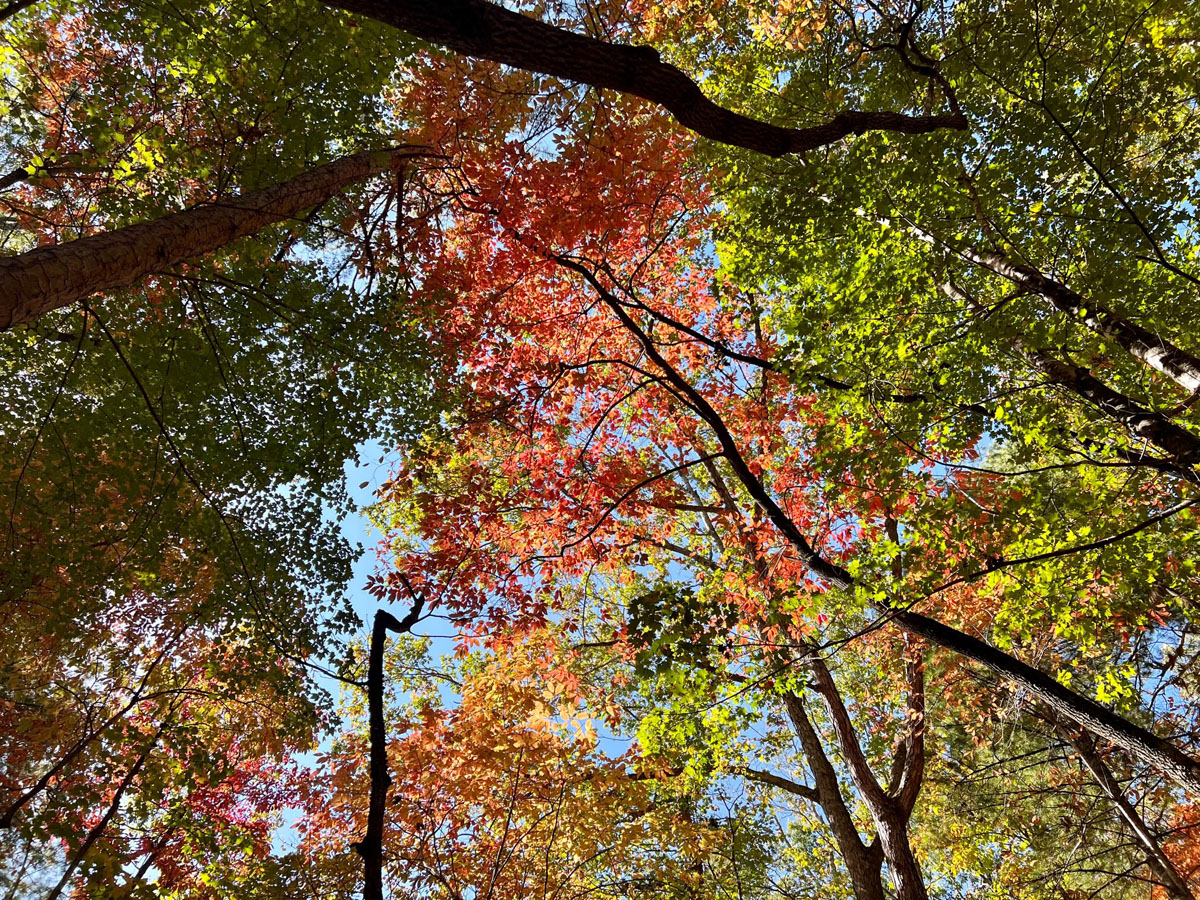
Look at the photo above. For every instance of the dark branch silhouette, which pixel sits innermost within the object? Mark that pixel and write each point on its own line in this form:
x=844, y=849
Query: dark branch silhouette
x=483, y=30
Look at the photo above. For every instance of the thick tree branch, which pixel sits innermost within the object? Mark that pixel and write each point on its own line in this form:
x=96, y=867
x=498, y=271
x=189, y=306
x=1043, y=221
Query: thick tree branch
x=891, y=820
x=784, y=784
x=1153, y=427
x=483, y=30
x=847, y=737
x=11, y=9
x=862, y=861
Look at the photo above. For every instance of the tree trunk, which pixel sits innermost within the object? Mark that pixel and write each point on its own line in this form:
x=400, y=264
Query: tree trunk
x=887, y=812
x=1165, y=870
x=370, y=848
x=902, y=863
x=481, y=29
x=1180, y=444
x=49, y=278
x=862, y=862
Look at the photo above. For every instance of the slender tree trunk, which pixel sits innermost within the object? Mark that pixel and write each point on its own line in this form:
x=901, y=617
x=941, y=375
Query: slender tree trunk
x=908, y=765
x=1139, y=742
x=370, y=848
x=1165, y=870
x=481, y=29
x=48, y=278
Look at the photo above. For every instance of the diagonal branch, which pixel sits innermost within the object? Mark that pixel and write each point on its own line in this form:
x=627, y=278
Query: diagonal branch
x=484, y=30
x=862, y=861
x=784, y=784
x=48, y=278
x=1149, y=425
x=15, y=7
x=114, y=807
x=1176, y=883
x=1150, y=349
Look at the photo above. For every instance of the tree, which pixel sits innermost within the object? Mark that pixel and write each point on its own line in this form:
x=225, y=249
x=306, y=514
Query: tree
x=636, y=368
x=505, y=791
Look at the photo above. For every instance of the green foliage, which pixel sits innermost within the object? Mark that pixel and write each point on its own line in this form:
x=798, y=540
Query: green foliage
x=173, y=566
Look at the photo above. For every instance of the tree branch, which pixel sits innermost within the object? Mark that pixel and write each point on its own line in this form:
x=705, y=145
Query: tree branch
x=483, y=30
x=48, y=278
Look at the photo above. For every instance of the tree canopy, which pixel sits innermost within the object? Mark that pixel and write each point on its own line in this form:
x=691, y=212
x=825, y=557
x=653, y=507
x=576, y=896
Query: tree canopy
x=789, y=420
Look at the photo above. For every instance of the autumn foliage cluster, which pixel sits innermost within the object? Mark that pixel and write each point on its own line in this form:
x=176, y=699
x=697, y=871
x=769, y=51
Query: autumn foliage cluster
x=786, y=435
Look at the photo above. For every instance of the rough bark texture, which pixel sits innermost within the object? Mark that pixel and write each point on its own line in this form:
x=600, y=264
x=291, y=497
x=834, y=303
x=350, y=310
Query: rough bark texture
x=33, y=283
x=1154, y=351
x=1097, y=719
x=863, y=863
x=1165, y=870
x=484, y=30
x=1153, y=427
x=887, y=812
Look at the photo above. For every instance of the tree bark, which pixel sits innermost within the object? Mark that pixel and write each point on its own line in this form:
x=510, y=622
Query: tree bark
x=484, y=30
x=1148, y=348
x=15, y=7
x=48, y=278
x=1097, y=719
x=862, y=862
x=810, y=794
x=1180, y=444
x=908, y=765
x=370, y=848
x=887, y=812
x=1161, y=864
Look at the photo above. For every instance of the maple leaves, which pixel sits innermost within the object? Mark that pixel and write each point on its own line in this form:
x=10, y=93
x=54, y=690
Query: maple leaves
x=506, y=791
x=136, y=734
x=707, y=425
